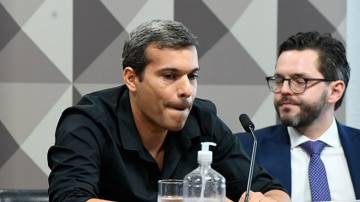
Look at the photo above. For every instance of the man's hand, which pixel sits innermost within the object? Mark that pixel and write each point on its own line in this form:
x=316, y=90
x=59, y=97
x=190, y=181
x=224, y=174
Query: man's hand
x=270, y=196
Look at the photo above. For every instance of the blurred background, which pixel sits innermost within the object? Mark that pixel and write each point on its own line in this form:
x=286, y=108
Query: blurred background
x=52, y=52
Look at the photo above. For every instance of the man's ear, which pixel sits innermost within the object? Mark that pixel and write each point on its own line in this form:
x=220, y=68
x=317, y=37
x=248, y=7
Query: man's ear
x=337, y=89
x=129, y=78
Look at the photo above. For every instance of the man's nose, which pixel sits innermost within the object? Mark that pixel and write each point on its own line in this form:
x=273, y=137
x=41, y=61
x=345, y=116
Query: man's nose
x=185, y=88
x=285, y=87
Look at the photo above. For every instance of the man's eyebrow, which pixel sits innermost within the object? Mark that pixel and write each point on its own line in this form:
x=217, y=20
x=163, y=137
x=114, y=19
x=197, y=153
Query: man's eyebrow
x=173, y=69
x=291, y=75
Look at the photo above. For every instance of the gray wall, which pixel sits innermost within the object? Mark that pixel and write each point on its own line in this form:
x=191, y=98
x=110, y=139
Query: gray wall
x=52, y=52
x=353, y=48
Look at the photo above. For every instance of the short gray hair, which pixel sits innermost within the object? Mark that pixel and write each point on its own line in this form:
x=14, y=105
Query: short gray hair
x=162, y=33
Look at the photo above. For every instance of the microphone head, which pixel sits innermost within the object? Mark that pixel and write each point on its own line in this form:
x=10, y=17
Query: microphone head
x=246, y=123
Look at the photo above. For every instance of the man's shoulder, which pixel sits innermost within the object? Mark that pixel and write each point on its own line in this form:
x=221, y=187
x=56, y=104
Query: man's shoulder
x=203, y=115
x=264, y=133
x=97, y=105
x=351, y=132
x=203, y=105
x=105, y=95
x=348, y=128
x=274, y=129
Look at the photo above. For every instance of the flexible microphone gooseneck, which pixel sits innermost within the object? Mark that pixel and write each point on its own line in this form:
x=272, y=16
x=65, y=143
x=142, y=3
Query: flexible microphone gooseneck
x=249, y=127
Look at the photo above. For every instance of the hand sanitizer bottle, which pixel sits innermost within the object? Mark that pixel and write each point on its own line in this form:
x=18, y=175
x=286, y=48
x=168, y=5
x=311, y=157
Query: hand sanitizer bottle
x=204, y=184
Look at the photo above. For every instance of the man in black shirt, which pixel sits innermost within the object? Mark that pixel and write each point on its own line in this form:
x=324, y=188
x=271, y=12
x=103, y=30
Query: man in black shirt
x=117, y=143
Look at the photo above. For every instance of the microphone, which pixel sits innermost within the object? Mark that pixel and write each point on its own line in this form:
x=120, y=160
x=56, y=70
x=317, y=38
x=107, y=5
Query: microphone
x=249, y=127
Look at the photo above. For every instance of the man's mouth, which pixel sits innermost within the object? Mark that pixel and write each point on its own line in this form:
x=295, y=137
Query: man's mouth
x=287, y=101
x=181, y=106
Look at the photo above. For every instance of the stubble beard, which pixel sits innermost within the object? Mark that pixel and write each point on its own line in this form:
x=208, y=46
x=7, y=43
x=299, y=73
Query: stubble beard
x=307, y=115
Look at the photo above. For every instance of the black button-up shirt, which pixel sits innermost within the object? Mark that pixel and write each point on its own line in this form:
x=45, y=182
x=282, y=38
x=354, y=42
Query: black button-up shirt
x=98, y=152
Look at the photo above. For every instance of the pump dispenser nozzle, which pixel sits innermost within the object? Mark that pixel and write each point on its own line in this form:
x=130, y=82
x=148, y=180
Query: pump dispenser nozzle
x=204, y=183
x=205, y=155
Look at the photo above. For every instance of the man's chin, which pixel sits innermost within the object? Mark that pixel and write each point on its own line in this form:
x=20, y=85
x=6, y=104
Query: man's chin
x=285, y=117
x=177, y=127
x=288, y=121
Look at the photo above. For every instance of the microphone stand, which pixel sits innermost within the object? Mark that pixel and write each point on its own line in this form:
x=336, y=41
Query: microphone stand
x=253, y=154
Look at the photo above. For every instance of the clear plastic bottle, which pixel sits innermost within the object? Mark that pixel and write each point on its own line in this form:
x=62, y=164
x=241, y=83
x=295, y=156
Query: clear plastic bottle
x=204, y=184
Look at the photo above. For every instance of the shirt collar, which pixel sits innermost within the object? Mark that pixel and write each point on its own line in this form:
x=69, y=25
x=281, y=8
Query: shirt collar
x=330, y=136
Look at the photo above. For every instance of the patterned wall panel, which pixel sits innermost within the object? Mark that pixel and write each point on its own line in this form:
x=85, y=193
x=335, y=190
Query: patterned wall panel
x=53, y=52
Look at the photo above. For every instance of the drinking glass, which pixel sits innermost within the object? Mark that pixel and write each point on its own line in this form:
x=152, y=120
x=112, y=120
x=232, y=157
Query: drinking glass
x=170, y=190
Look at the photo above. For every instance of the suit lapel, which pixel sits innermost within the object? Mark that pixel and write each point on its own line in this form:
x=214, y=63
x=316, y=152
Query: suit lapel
x=350, y=140
x=279, y=162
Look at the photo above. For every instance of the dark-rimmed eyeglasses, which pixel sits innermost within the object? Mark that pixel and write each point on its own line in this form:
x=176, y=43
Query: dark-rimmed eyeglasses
x=297, y=85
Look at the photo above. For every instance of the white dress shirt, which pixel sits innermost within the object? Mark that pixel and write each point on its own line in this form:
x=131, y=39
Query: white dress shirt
x=340, y=185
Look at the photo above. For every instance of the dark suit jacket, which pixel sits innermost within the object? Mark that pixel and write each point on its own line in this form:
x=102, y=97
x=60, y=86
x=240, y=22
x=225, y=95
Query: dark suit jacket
x=273, y=152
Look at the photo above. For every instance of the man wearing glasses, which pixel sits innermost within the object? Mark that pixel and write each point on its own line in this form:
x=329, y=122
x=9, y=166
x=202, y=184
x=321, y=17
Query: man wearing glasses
x=314, y=156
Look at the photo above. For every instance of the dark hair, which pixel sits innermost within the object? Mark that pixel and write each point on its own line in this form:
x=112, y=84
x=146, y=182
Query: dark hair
x=332, y=55
x=161, y=33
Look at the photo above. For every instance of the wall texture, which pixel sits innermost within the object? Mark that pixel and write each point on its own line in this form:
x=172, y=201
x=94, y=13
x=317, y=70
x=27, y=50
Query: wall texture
x=353, y=50
x=52, y=52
